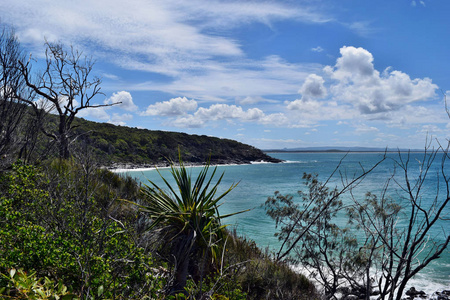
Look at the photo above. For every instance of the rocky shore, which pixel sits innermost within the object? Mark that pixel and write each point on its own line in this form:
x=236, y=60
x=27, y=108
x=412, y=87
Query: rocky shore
x=413, y=294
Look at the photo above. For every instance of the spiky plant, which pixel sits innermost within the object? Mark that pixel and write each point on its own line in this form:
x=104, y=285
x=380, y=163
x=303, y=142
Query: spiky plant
x=188, y=214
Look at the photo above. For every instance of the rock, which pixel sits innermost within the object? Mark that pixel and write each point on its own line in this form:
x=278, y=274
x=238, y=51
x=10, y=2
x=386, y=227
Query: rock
x=444, y=295
x=412, y=293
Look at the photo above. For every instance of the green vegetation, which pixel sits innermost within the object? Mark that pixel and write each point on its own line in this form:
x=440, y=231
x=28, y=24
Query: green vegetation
x=124, y=145
x=189, y=219
x=66, y=225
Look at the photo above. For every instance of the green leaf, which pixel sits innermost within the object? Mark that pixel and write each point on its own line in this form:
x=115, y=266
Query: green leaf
x=100, y=290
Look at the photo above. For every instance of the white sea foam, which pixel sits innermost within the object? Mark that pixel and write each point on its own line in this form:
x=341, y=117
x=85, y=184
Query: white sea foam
x=126, y=170
x=421, y=282
x=260, y=162
x=299, y=161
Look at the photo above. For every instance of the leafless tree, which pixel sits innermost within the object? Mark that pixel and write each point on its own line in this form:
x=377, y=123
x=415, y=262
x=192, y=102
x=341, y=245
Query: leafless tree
x=395, y=228
x=401, y=231
x=67, y=84
x=13, y=92
x=310, y=236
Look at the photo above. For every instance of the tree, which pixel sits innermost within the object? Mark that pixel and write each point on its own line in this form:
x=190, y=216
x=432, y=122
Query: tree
x=187, y=216
x=400, y=231
x=394, y=234
x=13, y=94
x=326, y=250
x=67, y=84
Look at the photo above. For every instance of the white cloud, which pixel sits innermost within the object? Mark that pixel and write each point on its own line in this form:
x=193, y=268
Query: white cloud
x=224, y=111
x=306, y=106
x=317, y=49
x=313, y=87
x=358, y=83
x=271, y=76
x=120, y=119
x=98, y=113
x=124, y=99
x=365, y=129
x=159, y=36
x=173, y=107
x=253, y=100
x=188, y=121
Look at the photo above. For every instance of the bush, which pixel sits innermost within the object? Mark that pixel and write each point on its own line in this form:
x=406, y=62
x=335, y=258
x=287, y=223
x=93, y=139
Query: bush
x=52, y=223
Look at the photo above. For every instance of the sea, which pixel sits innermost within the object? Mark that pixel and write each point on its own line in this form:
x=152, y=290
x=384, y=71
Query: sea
x=258, y=181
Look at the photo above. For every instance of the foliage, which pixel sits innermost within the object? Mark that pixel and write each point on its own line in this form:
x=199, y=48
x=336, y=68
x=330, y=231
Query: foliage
x=27, y=286
x=259, y=276
x=187, y=214
x=326, y=250
x=124, y=145
x=48, y=227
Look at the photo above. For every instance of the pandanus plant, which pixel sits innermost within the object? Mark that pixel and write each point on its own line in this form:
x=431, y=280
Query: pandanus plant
x=188, y=214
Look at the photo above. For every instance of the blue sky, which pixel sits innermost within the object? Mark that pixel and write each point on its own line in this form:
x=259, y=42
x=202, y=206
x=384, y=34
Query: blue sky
x=273, y=74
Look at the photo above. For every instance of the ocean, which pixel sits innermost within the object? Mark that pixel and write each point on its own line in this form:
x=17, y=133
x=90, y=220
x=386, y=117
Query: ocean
x=259, y=181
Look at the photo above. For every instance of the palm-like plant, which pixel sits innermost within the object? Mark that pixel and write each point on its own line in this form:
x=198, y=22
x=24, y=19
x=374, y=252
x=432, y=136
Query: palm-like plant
x=189, y=215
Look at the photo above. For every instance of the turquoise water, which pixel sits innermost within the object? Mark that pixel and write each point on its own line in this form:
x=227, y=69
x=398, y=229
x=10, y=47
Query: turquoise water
x=259, y=181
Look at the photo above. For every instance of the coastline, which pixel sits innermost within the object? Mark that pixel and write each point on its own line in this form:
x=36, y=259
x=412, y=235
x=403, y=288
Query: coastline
x=122, y=168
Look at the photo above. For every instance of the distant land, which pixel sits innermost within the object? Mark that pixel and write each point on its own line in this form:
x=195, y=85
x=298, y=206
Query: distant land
x=341, y=149
x=125, y=147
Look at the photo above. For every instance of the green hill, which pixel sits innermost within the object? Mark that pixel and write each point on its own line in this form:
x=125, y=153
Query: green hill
x=119, y=145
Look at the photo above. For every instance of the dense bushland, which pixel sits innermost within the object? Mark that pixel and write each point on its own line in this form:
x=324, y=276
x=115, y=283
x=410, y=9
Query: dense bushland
x=65, y=221
x=114, y=144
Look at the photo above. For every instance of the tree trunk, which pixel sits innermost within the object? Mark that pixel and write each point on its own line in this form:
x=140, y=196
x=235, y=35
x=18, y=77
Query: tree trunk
x=183, y=254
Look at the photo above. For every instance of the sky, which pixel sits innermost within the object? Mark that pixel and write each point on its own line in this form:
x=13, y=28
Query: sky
x=272, y=74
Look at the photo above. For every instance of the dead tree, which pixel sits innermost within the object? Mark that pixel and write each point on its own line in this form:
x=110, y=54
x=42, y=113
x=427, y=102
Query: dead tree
x=395, y=229
x=67, y=84
x=13, y=92
x=403, y=228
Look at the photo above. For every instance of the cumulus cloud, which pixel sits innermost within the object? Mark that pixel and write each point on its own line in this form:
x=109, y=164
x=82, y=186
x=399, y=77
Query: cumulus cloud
x=312, y=88
x=359, y=83
x=309, y=106
x=174, y=107
x=103, y=113
x=124, y=99
x=224, y=111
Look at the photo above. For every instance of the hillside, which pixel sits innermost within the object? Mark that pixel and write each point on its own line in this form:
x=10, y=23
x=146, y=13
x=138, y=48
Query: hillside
x=119, y=145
